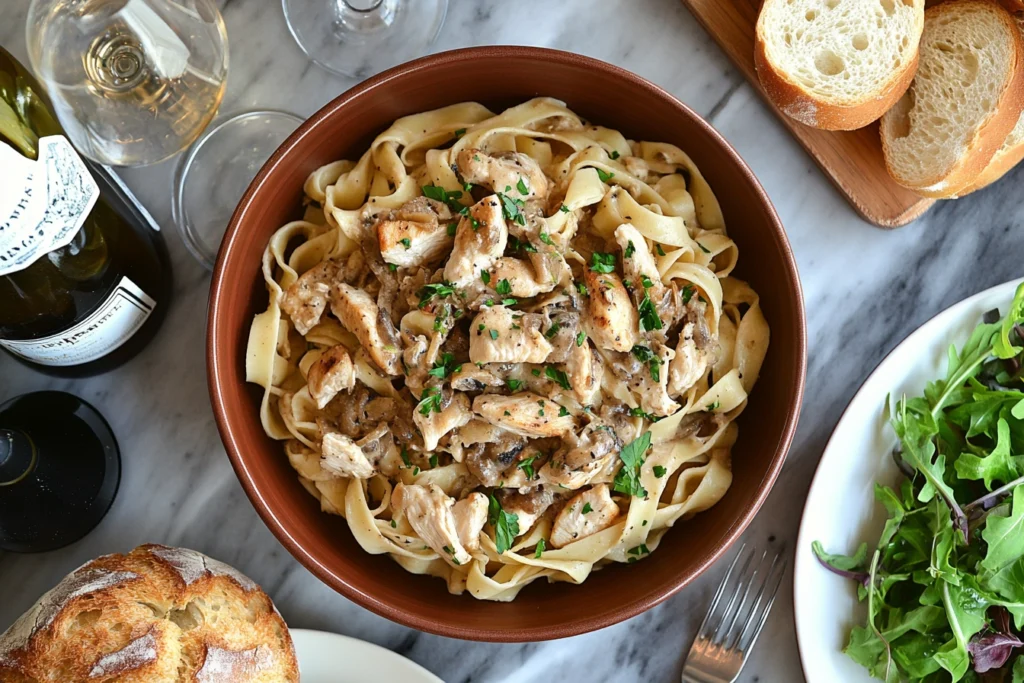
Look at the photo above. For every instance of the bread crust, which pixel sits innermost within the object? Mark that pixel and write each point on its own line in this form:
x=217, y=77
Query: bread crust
x=997, y=168
x=1013, y=5
x=990, y=136
x=155, y=615
x=795, y=101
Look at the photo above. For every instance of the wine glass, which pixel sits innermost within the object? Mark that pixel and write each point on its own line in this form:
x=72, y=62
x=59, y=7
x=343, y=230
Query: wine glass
x=134, y=82
x=359, y=38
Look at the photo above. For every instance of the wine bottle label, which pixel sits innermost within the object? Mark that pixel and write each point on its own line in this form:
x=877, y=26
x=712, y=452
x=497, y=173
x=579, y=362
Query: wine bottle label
x=110, y=326
x=43, y=203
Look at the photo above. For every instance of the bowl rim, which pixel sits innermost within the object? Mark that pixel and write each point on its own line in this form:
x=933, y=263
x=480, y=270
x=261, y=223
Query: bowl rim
x=216, y=365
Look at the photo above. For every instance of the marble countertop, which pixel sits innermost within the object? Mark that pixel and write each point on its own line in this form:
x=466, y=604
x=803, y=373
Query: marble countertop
x=865, y=290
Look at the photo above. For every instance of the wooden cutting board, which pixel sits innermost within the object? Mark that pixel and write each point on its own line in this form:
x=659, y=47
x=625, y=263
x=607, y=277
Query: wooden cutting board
x=852, y=160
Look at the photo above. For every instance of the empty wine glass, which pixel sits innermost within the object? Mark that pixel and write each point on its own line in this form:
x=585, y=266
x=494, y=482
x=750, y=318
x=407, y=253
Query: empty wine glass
x=359, y=38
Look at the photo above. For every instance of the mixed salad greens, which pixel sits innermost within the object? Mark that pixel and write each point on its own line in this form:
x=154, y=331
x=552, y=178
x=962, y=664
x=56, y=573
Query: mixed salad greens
x=944, y=585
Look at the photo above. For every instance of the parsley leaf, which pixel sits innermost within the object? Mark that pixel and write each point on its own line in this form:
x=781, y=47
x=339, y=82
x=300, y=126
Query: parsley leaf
x=460, y=132
x=433, y=460
x=645, y=355
x=546, y=238
x=614, y=154
x=506, y=526
x=557, y=376
x=451, y=198
x=494, y=334
x=443, y=366
x=582, y=289
x=580, y=338
x=430, y=401
x=540, y=549
x=602, y=263
x=661, y=252
x=438, y=290
x=406, y=242
x=605, y=176
x=486, y=278
x=552, y=331
x=587, y=508
x=521, y=186
x=659, y=471
x=703, y=248
x=630, y=250
x=628, y=478
x=513, y=384
x=526, y=465
x=688, y=291
x=649, y=318
x=512, y=208
x=503, y=288
x=564, y=209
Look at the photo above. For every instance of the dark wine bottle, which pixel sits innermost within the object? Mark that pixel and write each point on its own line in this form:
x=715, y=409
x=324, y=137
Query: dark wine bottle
x=59, y=471
x=84, y=283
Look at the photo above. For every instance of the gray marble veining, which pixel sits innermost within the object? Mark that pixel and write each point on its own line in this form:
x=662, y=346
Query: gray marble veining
x=865, y=290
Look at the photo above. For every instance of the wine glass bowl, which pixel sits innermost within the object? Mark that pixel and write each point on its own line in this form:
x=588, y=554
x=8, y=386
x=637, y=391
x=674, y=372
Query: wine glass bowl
x=133, y=82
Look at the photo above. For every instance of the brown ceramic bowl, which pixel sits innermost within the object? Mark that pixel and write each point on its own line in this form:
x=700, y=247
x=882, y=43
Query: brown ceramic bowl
x=500, y=77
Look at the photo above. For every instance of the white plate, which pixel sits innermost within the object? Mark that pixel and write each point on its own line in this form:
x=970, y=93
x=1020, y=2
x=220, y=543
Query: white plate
x=841, y=511
x=332, y=658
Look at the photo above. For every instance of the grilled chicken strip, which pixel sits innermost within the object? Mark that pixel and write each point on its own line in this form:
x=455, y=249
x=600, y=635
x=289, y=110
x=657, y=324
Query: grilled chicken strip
x=693, y=353
x=502, y=335
x=503, y=173
x=431, y=514
x=435, y=425
x=585, y=371
x=522, y=279
x=358, y=313
x=342, y=456
x=416, y=234
x=586, y=514
x=612, y=322
x=306, y=299
x=640, y=263
x=470, y=518
x=525, y=413
x=332, y=373
x=480, y=240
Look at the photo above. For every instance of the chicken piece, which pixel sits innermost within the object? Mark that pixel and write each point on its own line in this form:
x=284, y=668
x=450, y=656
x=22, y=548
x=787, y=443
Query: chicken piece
x=612, y=322
x=480, y=240
x=693, y=353
x=527, y=507
x=341, y=455
x=332, y=373
x=503, y=335
x=561, y=332
x=525, y=413
x=639, y=263
x=470, y=517
x=582, y=458
x=522, y=279
x=358, y=313
x=435, y=425
x=646, y=371
x=585, y=371
x=306, y=299
x=586, y=514
x=503, y=172
x=430, y=512
x=416, y=234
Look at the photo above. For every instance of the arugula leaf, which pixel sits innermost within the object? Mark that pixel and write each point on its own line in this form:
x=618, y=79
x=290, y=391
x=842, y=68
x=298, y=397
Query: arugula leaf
x=965, y=611
x=1002, y=348
x=628, y=478
x=506, y=525
x=1005, y=535
x=848, y=566
x=997, y=465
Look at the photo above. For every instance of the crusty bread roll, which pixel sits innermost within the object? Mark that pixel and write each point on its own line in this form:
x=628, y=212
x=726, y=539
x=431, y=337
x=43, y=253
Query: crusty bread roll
x=155, y=615
x=837, y=64
x=965, y=100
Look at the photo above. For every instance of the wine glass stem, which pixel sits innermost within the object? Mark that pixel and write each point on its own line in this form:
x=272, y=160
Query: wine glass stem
x=17, y=456
x=365, y=16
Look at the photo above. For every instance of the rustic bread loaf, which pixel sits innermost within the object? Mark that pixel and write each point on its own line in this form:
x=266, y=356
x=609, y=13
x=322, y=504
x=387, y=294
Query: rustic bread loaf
x=837, y=64
x=155, y=615
x=965, y=99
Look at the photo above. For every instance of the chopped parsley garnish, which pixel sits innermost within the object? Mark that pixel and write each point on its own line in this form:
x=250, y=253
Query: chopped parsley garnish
x=546, y=238
x=452, y=227
x=557, y=376
x=602, y=263
x=494, y=334
x=632, y=455
x=639, y=551
x=508, y=414
x=438, y=290
x=688, y=291
x=541, y=412
x=630, y=250
x=513, y=384
x=486, y=277
x=614, y=154
x=460, y=132
x=510, y=302
x=535, y=372
x=515, y=244
x=392, y=267
x=582, y=289
x=512, y=208
x=405, y=457
x=540, y=549
x=639, y=412
x=521, y=186
x=645, y=355
x=476, y=157
x=406, y=242
x=661, y=252
x=587, y=508
x=713, y=407
x=527, y=466
x=506, y=526
x=415, y=471
x=580, y=338
x=649, y=319
x=564, y=208
x=503, y=288
x=703, y=248
x=433, y=460
x=430, y=401
x=562, y=411
x=443, y=367
x=605, y=176
x=442, y=195
x=394, y=524
x=552, y=331
x=659, y=471
x=646, y=282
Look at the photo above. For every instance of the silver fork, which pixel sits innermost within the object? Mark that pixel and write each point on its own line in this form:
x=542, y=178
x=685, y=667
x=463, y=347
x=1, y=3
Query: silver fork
x=726, y=636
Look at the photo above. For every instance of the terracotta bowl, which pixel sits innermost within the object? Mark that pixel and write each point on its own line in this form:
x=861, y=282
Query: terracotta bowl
x=500, y=77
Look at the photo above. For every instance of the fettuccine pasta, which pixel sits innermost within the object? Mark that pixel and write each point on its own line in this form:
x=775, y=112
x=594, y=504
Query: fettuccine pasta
x=507, y=347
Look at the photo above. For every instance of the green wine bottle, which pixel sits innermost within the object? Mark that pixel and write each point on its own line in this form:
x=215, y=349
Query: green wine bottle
x=84, y=283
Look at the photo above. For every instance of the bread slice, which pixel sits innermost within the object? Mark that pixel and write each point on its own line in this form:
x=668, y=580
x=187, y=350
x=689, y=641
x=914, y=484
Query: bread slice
x=966, y=98
x=1014, y=5
x=1012, y=151
x=837, y=64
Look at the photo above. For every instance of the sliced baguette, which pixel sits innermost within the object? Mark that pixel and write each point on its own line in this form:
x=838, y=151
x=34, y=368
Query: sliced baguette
x=1014, y=5
x=837, y=64
x=966, y=98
